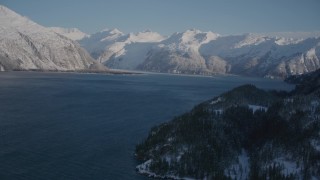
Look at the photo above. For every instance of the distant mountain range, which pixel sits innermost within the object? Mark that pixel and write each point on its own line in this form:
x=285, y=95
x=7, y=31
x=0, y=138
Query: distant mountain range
x=25, y=45
x=197, y=52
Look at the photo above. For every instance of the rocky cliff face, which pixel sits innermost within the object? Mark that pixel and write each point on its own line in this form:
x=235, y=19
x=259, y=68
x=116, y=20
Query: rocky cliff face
x=25, y=45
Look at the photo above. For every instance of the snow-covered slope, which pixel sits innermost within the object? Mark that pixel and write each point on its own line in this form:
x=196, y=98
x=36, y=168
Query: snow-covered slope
x=131, y=51
x=96, y=43
x=292, y=35
x=71, y=33
x=189, y=40
x=119, y=50
x=25, y=45
x=253, y=54
x=179, y=53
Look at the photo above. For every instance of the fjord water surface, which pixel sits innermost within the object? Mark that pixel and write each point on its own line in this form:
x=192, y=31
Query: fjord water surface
x=86, y=126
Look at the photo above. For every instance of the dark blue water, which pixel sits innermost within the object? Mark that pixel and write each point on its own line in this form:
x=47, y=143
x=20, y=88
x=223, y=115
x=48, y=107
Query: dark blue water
x=86, y=126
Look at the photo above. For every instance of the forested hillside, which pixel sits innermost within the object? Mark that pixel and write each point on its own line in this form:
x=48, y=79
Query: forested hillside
x=246, y=133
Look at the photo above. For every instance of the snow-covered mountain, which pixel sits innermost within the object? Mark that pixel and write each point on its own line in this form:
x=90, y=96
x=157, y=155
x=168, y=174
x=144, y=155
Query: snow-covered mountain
x=292, y=35
x=252, y=54
x=179, y=53
x=196, y=52
x=119, y=50
x=71, y=33
x=96, y=43
x=25, y=45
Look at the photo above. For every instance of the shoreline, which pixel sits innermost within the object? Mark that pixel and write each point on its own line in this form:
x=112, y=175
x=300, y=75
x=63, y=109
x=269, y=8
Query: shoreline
x=143, y=169
x=107, y=72
x=122, y=72
x=137, y=72
x=182, y=74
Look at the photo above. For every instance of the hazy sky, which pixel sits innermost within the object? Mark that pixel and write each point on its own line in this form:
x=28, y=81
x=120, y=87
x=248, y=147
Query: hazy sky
x=168, y=16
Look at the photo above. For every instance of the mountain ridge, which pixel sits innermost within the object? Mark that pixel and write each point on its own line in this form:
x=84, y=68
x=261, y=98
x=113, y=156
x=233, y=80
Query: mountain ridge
x=71, y=33
x=26, y=45
x=197, y=52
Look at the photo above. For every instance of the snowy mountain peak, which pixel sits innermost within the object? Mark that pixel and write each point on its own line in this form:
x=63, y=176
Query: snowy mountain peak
x=193, y=30
x=251, y=39
x=110, y=31
x=147, y=30
x=190, y=39
x=4, y=11
x=197, y=36
x=104, y=30
x=197, y=31
x=286, y=41
x=71, y=33
x=109, y=35
x=145, y=36
x=25, y=45
x=9, y=18
x=115, y=31
x=292, y=35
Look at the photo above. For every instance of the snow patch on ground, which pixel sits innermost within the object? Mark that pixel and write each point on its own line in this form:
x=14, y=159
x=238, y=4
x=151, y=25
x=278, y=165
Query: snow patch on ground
x=216, y=101
x=288, y=100
x=218, y=111
x=239, y=170
x=316, y=144
x=254, y=108
x=289, y=167
x=144, y=169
